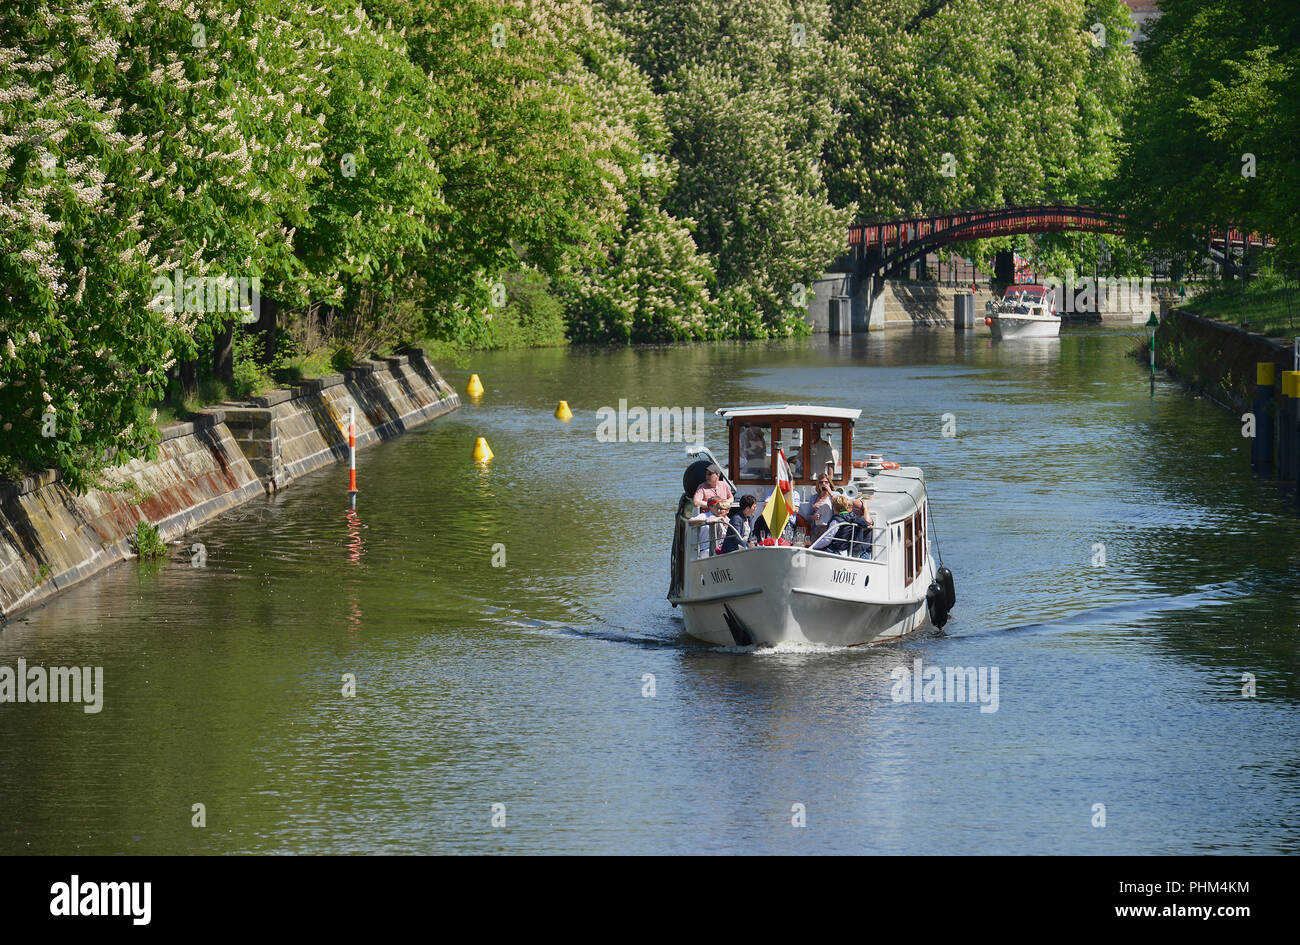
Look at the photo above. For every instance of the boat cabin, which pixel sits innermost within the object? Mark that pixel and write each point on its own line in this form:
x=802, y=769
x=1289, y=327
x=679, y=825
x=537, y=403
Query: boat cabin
x=1026, y=298
x=815, y=440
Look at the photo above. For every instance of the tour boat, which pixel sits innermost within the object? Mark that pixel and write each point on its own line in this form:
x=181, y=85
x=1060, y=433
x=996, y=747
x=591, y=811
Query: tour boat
x=776, y=592
x=1025, y=311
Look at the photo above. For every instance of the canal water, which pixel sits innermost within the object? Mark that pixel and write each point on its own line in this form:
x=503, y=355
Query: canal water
x=523, y=686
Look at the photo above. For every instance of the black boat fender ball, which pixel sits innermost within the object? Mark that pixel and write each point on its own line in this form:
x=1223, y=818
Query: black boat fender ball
x=949, y=592
x=935, y=603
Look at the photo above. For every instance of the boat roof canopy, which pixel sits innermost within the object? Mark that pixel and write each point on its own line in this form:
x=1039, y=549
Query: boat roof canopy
x=1027, y=287
x=791, y=410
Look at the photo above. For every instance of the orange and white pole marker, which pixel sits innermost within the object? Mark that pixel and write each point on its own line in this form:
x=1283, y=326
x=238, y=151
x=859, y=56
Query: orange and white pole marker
x=352, y=455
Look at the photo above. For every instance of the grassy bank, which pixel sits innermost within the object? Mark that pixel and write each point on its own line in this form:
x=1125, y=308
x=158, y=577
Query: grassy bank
x=1268, y=303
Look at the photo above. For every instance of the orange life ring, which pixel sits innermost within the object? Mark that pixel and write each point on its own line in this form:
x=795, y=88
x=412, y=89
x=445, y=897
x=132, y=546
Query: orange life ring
x=859, y=464
x=889, y=465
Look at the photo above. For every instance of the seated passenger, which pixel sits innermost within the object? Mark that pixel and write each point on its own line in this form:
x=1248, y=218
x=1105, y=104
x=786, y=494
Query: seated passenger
x=849, y=532
x=712, y=523
x=741, y=520
x=863, y=526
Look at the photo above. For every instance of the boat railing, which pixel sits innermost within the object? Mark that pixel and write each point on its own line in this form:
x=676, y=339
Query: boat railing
x=717, y=533
x=875, y=550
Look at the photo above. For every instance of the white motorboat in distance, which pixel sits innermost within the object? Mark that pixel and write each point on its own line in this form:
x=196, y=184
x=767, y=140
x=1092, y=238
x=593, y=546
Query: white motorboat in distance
x=769, y=594
x=1025, y=311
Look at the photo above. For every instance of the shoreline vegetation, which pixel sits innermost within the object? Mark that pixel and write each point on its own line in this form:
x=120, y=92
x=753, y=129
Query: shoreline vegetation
x=197, y=209
x=1211, y=356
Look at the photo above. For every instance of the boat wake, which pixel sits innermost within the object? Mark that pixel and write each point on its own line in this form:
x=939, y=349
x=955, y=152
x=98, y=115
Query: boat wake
x=675, y=641
x=1207, y=595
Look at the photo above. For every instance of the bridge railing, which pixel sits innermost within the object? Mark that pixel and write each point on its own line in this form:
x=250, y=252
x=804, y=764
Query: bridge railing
x=973, y=224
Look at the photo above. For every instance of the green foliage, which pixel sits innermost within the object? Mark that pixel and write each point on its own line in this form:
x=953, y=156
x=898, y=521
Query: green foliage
x=138, y=497
x=290, y=366
x=1220, y=101
x=978, y=103
x=249, y=376
x=531, y=317
x=653, y=287
x=343, y=358
x=146, y=543
x=750, y=102
x=1268, y=302
x=647, y=279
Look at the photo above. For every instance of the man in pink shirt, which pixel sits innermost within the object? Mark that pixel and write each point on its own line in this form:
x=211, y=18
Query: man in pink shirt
x=712, y=488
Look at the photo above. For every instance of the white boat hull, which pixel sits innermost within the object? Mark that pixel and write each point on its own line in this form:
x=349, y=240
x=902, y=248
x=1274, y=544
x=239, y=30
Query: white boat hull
x=1025, y=326
x=769, y=596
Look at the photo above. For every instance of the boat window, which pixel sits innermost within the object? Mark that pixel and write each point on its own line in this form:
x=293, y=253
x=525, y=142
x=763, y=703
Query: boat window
x=827, y=440
x=918, y=566
x=756, y=451
x=790, y=439
x=908, y=560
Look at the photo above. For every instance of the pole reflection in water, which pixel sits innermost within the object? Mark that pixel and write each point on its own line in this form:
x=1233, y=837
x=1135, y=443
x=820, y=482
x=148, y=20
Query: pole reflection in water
x=356, y=549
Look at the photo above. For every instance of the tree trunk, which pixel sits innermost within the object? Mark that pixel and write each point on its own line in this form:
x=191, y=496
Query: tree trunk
x=189, y=375
x=223, y=353
x=269, y=325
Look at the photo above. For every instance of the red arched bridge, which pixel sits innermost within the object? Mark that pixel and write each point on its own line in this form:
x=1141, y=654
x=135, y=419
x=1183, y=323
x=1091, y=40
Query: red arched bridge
x=884, y=247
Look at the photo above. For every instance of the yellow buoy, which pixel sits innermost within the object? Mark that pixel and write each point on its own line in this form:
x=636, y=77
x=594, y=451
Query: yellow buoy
x=562, y=411
x=475, y=386
x=482, y=452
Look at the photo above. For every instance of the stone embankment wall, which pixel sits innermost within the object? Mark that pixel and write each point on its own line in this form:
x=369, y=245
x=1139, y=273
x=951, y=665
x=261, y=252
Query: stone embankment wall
x=52, y=538
x=920, y=304
x=288, y=433
x=1218, y=360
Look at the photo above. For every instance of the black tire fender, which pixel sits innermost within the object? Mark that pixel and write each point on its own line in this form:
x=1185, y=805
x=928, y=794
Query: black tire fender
x=944, y=577
x=935, y=604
